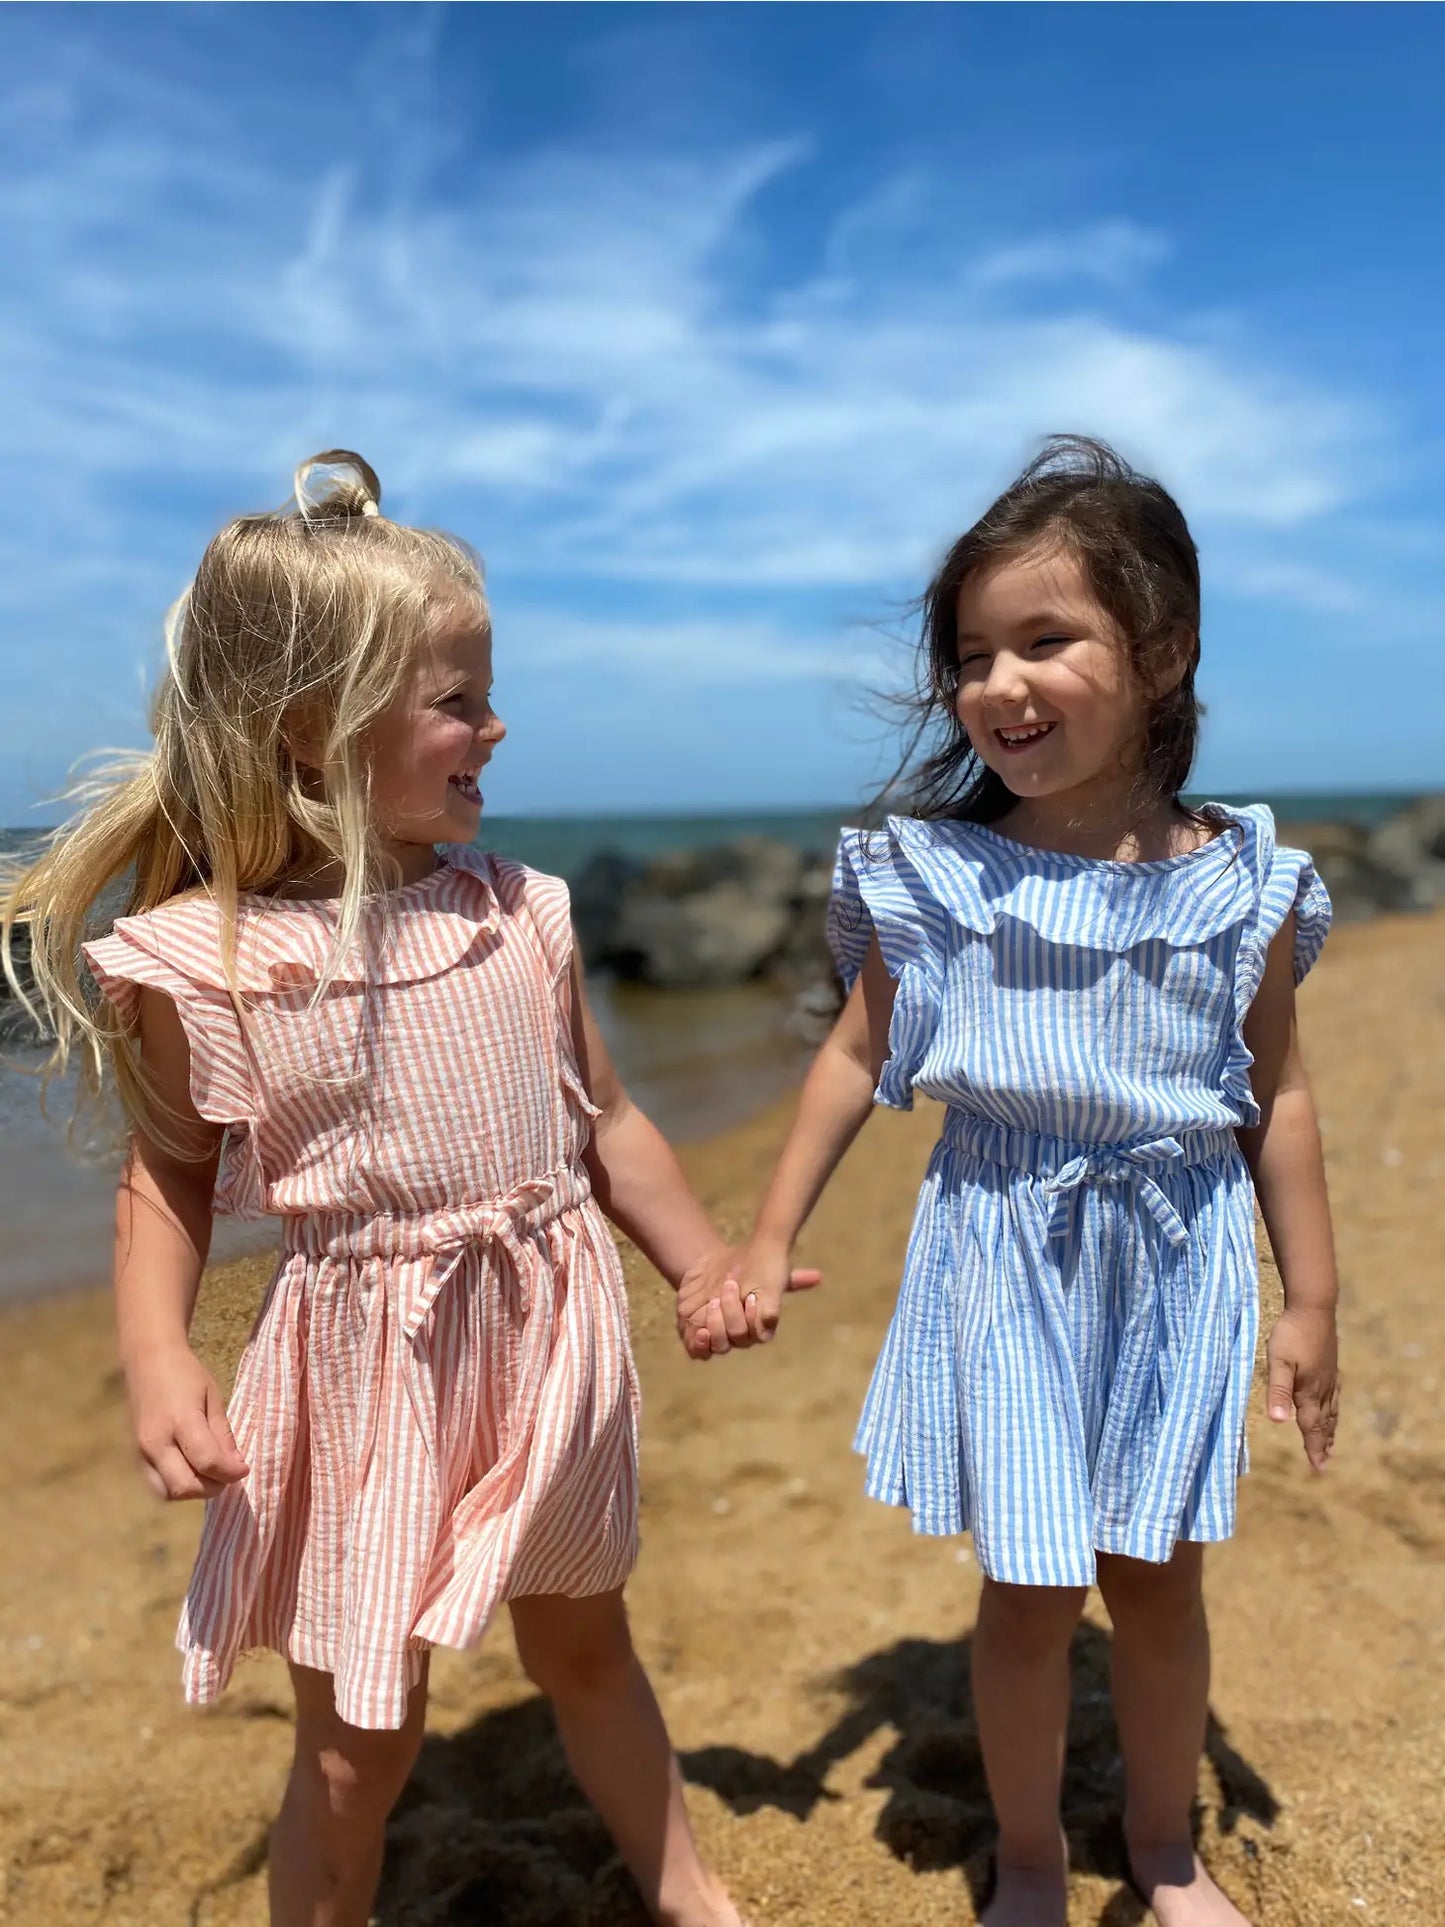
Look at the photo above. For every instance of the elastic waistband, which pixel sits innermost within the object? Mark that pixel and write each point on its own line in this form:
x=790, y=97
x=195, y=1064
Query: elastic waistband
x=1047, y=1157
x=526, y=1208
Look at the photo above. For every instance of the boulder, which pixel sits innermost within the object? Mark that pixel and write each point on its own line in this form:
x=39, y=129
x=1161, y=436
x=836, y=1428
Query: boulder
x=1409, y=849
x=1358, y=886
x=597, y=892
x=721, y=935
x=703, y=917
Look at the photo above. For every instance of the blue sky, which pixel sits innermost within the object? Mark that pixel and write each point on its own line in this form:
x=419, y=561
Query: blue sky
x=712, y=327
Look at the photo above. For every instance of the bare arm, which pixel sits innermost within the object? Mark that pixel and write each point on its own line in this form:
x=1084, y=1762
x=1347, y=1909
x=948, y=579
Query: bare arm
x=714, y=1308
x=836, y=1103
x=636, y=1177
x=1285, y=1158
x=163, y=1234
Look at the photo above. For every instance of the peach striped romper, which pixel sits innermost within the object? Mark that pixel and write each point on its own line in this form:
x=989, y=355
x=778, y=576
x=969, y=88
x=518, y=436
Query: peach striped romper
x=438, y=1403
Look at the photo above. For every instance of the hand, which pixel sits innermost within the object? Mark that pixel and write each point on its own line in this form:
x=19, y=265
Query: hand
x=185, y=1443
x=1303, y=1381
x=735, y=1297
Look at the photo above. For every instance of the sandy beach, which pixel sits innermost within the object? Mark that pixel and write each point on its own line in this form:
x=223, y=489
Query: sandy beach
x=810, y=1651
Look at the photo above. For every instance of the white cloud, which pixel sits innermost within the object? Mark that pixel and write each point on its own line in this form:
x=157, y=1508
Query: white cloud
x=1113, y=253
x=1298, y=584
x=701, y=653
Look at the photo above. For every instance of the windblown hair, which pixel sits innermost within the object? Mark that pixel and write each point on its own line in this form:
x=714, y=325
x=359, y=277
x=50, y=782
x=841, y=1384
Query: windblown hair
x=1139, y=559
x=300, y=627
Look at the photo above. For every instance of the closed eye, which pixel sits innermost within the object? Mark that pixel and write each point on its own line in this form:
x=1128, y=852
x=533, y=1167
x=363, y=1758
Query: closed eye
x=1045, y=642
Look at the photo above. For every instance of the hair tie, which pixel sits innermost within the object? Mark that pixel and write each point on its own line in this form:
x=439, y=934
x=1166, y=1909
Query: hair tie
x=369, y=507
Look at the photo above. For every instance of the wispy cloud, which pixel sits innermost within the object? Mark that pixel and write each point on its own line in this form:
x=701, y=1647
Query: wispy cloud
x=1113, y=253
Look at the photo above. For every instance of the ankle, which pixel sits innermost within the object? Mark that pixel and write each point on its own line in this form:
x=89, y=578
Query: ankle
x=1157, y=1837
x=1034, y=1852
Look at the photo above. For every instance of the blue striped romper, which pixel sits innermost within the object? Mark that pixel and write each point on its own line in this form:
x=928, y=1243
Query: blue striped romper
x=1069, y=1362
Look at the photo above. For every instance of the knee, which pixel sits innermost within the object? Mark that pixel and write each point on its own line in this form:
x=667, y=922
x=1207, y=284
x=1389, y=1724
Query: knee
x=1028, y=1623
x=568, y=1660
x=1157, y=1602
x=353, y=1783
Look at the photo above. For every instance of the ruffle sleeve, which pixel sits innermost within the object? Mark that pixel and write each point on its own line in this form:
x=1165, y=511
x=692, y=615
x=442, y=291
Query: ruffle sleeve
x=878, y=890
x=176, y=950
x=1286, y=883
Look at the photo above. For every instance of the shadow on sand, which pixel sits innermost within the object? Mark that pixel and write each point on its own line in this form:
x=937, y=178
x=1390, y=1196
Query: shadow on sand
x=492, y=1828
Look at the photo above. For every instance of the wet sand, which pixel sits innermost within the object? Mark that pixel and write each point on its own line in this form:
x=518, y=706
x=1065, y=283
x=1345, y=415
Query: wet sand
x=810, y=1651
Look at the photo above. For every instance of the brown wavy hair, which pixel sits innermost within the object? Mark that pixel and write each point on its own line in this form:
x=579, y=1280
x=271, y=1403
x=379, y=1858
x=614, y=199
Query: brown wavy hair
x=1139, y=559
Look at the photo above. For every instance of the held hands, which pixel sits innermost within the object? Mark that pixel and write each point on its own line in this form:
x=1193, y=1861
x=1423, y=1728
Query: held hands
x=734, y=1298
x=179, y=1415
x=1303, y=1381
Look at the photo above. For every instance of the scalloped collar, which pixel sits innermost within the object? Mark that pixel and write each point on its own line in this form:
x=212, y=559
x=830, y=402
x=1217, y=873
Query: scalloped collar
x=285, y=945
x=980, y=878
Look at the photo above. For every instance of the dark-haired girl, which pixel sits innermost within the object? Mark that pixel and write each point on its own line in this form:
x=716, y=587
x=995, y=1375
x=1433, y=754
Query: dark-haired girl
x=1098, y=981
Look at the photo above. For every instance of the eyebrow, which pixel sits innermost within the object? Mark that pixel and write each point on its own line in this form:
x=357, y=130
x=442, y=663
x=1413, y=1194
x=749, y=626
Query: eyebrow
x=1043, y=619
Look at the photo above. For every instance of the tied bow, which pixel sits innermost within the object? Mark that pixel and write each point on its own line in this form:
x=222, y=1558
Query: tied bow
x=1119, y=1164
x=502, y=1222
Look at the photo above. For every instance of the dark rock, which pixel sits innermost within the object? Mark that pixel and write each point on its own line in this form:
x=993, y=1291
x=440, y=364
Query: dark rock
x=597, y=898
x=721, y=935
x=1409, y=848
x=704, y=917
x=1359, y=887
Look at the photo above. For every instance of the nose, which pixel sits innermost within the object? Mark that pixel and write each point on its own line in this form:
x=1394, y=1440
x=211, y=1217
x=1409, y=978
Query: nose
x=1006, y=682
x=492, y=730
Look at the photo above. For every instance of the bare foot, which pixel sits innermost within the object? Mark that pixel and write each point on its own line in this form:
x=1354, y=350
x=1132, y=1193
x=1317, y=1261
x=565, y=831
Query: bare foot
x=1027, y=1897
x=1179, y=1891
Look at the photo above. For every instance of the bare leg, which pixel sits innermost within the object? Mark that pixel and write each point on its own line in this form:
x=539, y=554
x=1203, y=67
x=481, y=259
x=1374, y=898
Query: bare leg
x=1021, y=1692
x=326, y=1844
x=1161, y=1702
x=579, y=1652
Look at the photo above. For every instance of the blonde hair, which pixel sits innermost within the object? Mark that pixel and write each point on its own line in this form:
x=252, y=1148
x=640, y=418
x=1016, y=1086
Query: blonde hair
x=300, y=627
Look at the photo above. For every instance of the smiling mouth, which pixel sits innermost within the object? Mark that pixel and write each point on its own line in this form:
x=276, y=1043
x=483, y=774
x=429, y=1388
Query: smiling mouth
x=465, y=785
x=1024, y=736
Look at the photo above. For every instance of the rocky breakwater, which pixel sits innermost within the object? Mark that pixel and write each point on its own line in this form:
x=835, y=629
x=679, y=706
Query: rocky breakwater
x=754, y=909
x=745, y=910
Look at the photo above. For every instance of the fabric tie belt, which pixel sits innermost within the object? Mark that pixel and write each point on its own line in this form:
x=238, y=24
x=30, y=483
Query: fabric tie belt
x=1066, y=1168
x=424, y=1249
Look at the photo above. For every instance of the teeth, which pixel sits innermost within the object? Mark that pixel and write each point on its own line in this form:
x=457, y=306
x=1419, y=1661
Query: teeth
x=1026, y=735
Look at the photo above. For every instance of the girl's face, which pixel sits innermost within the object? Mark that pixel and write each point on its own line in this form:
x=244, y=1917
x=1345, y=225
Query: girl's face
x=1044, y=684
x=428, y=749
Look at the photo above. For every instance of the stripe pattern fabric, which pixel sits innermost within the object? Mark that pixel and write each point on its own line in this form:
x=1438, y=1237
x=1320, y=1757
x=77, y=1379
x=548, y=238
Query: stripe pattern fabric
x=438, y=1404
x=1069, y=1363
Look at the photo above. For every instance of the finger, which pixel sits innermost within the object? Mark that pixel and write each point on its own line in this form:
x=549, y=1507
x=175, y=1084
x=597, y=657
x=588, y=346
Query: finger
x=233, y=1462
x=177, y=1477
x=717, y=1331
x=1317, y=1429
x=750, y=1306
x=804, y=1279
x=699, y=1345
x=766, y=1313
x=1281, y=1390
x=204, y=1451
x=735, y=1319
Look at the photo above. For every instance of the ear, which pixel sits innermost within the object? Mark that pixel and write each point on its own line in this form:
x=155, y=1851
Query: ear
x=303, y=738
x=1175, y=664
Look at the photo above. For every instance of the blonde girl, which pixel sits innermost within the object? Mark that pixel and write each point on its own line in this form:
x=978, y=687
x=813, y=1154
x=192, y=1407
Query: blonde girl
x=323, y=1003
